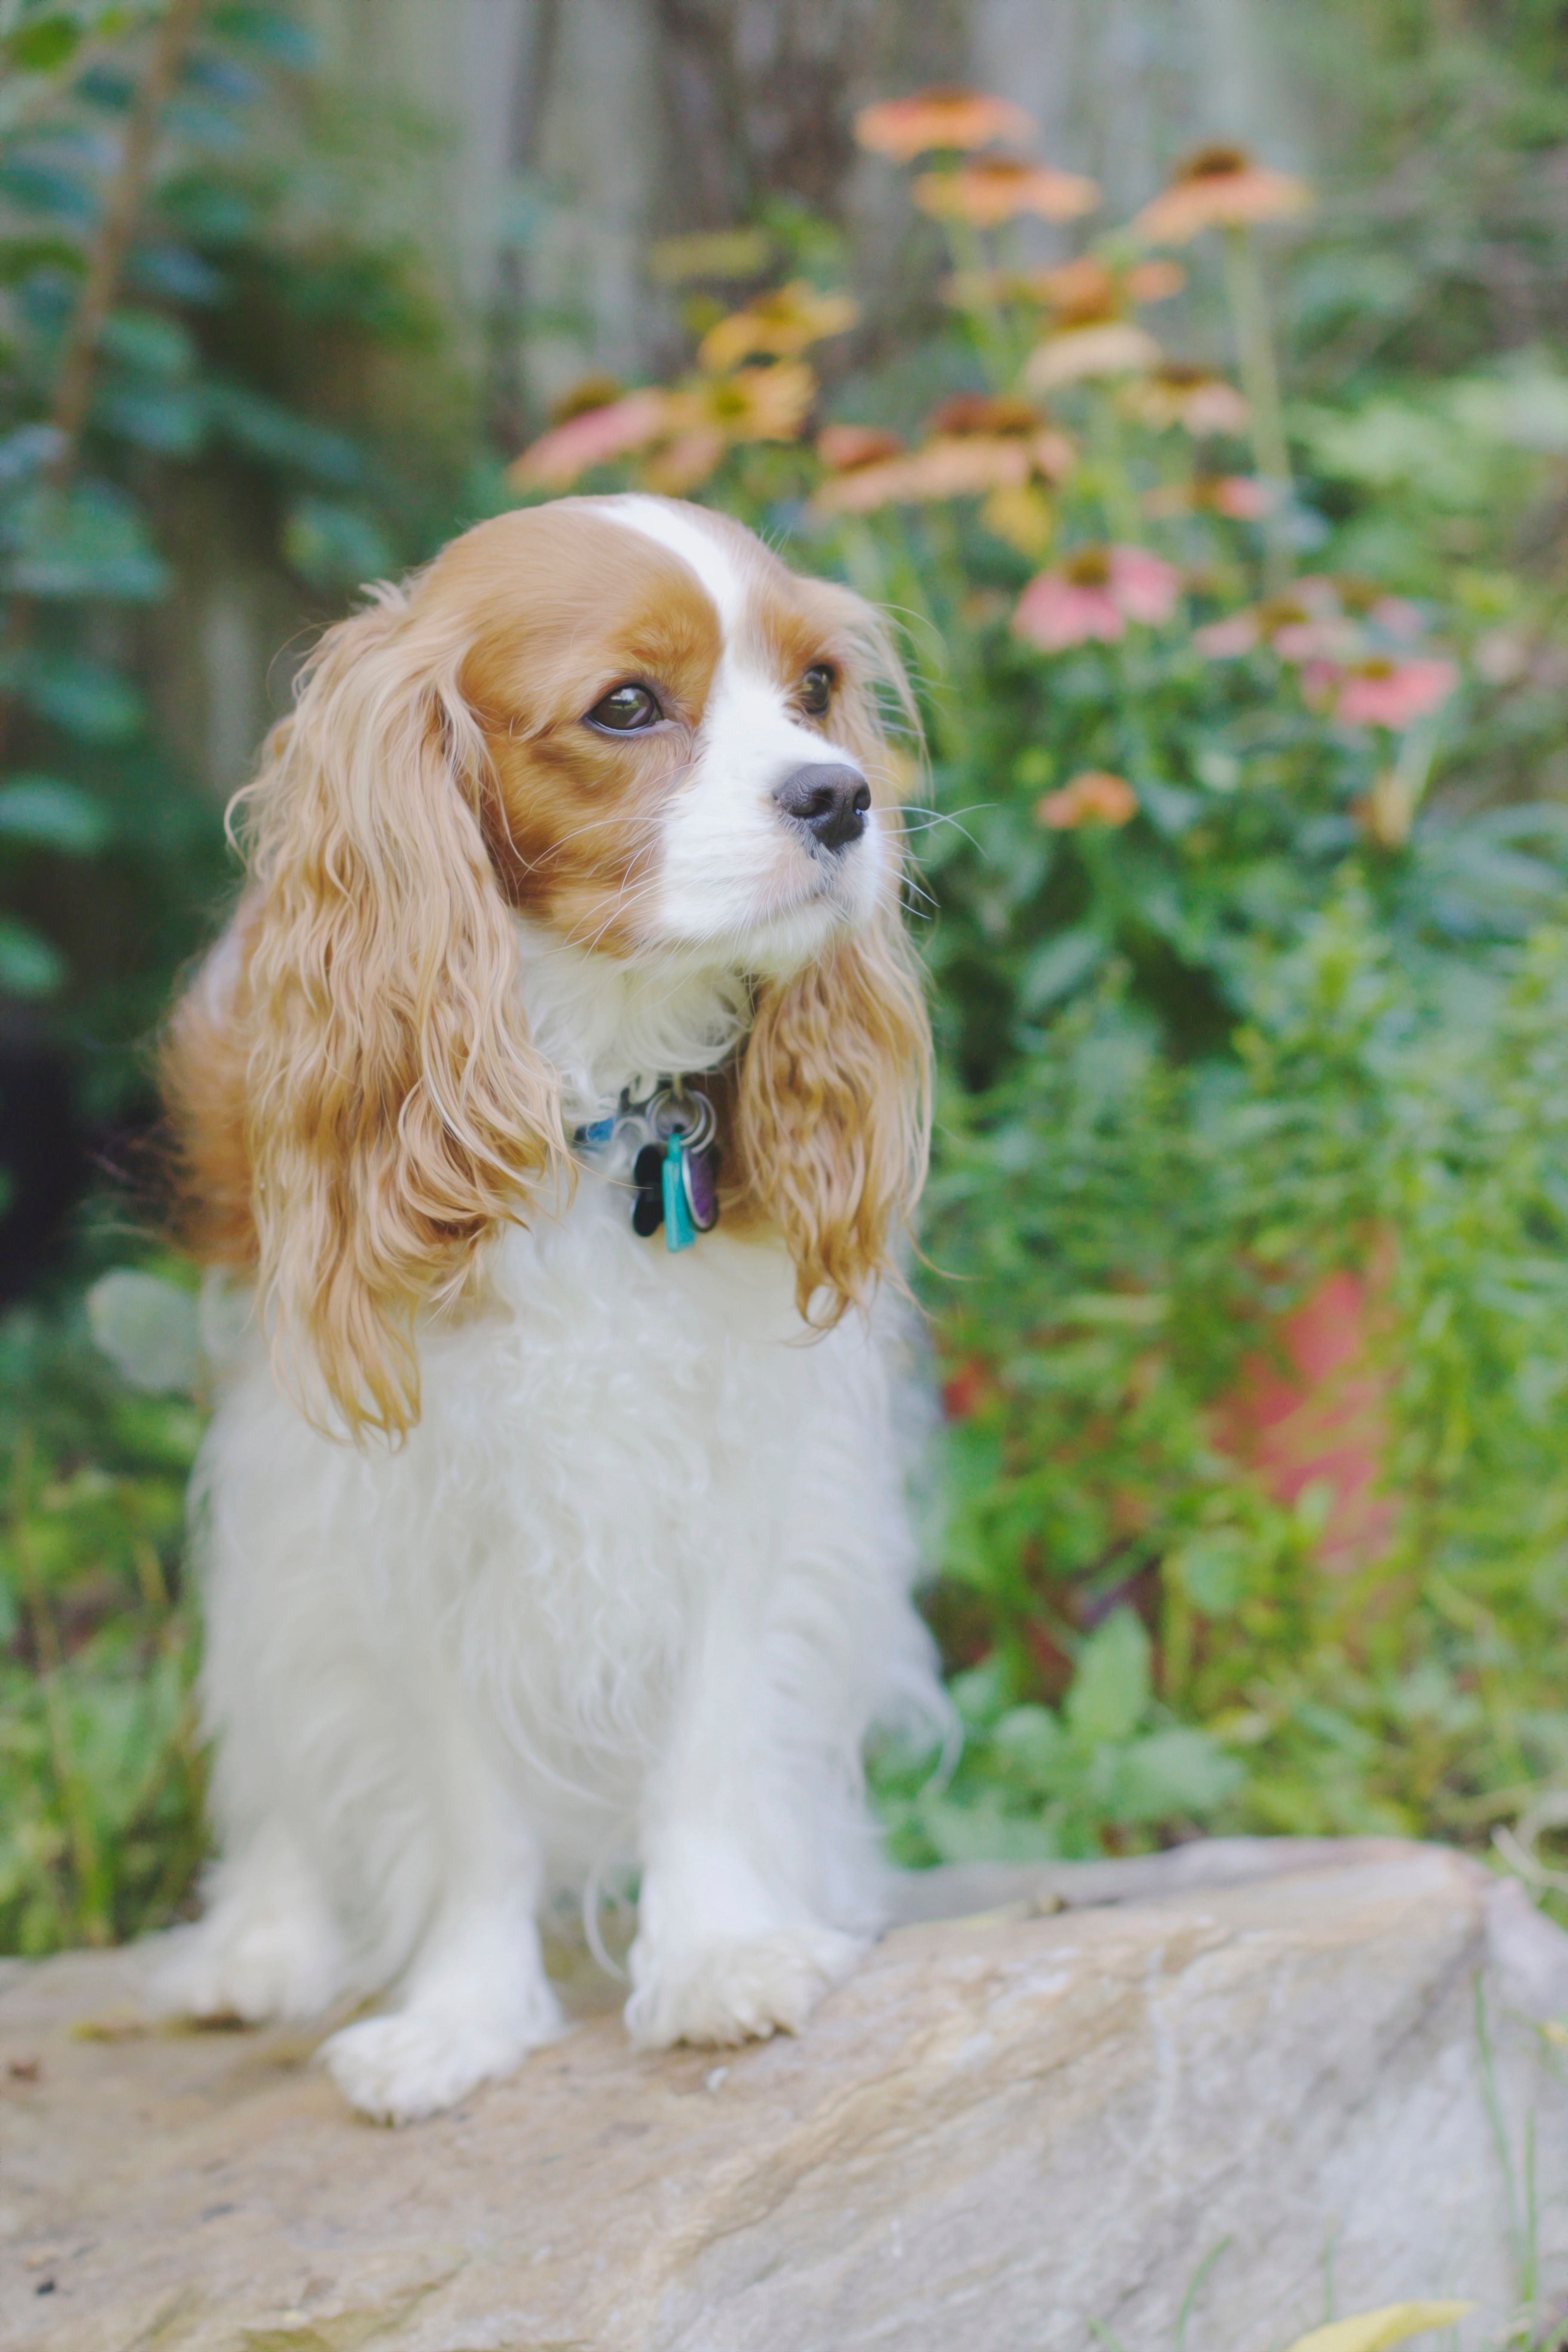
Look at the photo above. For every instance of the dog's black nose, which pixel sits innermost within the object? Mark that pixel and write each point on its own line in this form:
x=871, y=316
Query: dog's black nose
x=830, y=801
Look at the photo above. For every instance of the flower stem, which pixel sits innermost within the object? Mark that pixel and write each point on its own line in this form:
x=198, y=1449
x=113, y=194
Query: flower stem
x=1260, y=381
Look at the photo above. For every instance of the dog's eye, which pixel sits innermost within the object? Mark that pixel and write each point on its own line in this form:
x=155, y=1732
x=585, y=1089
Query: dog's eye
x=816, y=690
x=625, y=709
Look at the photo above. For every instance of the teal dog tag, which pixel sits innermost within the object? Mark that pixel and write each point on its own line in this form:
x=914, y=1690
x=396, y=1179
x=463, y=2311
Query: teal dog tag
x=680, y=1231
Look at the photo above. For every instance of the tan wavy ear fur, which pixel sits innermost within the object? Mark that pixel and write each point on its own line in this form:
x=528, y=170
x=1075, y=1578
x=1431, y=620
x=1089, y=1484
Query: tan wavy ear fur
x=370, y=1044
x=832, y=1117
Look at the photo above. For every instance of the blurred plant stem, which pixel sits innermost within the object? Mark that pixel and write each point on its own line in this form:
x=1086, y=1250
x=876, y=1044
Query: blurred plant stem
x=1260, y=384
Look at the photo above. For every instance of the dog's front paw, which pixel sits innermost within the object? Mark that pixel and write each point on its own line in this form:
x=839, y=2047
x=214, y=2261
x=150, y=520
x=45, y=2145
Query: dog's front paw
x=250, y=1964
x=740, y=1991
x=413, y=2063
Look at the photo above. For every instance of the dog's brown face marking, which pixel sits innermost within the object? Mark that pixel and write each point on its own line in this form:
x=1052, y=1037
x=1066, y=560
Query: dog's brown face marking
x=573, y=606
x=569, y=602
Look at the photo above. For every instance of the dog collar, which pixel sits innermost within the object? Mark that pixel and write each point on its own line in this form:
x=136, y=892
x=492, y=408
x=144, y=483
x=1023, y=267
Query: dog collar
x=676, y=1169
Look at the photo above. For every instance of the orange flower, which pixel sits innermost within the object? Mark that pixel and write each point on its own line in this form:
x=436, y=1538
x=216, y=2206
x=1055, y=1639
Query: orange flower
x=998, y=188
x=843, y=447
x=952, y=466
x=782, y=324
x=1220, y=187
x=1007, y=414
x=590, y=438
x=1088, y=289
x=1116, y=347
x=979, y=445
x=1094, y=797
x=985, y=411
x=948, y=119
x=1201, y=404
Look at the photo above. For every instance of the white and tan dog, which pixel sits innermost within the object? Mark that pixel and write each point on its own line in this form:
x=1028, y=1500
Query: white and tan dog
x=528, y=1542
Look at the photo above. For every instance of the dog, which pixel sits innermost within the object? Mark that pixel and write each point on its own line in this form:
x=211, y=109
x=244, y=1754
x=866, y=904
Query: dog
x=545, y=1524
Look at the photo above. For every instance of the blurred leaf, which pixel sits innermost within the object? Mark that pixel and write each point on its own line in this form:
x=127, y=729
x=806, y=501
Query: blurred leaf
x=1377, y=2331
x=150, y=342
x=1031, y=1740
x=1112, y=1690
x=1056, y=966
x=175, y=272
x=28, y=450
x=335, y=546
x=44, y=44
x=85, y=698
x=29, y=966
x=171, y=419
x=269, y=32
x=265, y=429
x=1211, y=1571
x=86, y=540
x=45, y=814
x=21, y=256
x=1171, y=1773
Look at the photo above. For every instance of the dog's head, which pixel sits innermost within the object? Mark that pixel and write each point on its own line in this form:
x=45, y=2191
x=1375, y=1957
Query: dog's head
x=627, y=720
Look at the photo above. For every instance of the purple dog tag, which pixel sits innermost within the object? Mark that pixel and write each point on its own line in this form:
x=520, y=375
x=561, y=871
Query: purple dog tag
x=700, y=1172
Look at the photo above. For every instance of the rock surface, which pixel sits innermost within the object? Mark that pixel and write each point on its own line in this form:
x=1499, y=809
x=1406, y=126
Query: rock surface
x=1006, y=2129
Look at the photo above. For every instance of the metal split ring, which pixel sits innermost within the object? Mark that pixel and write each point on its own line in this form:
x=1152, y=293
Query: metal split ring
x=689, y=1115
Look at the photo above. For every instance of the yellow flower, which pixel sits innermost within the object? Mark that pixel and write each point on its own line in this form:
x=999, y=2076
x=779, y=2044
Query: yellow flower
x=706, y=417
x=904, y=128
x=781, y=325
x=998, y=188
x=1021, y=514
x=1220, y=187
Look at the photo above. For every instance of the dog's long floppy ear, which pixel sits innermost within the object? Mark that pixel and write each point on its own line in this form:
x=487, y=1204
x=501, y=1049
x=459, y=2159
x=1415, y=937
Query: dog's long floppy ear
x=394, y=1112
x=833, y=1107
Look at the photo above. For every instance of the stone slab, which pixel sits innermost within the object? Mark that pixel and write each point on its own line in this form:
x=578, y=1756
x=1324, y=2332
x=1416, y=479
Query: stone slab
x=1006, y=2131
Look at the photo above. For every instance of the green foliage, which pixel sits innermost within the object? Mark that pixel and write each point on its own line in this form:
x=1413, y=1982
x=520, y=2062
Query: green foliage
x=250, y=291
x=1244, y=906
x=1122, y=1237
x=1036, y=1782
x=101, y=1769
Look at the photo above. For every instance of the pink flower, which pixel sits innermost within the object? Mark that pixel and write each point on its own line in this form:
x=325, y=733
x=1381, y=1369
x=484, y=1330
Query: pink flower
x=1094, y=595
x=1237, y=633
x=1396, y=616
x=1314, y=641
x=1240, y=496
x=1144, y=586
x=1394, y=694
x=555, y=460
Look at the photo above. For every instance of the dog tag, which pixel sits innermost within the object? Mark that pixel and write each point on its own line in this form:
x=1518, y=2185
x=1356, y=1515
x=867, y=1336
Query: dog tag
x=648, y=1175
x=679, y=1230
x=701, y=1180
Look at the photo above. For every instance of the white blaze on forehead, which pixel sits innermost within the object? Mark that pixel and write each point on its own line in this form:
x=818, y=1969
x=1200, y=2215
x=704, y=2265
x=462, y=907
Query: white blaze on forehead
x=700, y=550
x=731, y=877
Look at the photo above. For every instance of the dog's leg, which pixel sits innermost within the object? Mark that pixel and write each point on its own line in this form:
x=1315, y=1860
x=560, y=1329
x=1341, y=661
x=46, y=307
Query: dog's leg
x=267, y=1948
x=727, y=1946
x=475, y=1998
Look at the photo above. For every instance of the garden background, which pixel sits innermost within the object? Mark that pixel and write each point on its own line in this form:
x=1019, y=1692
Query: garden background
x=1193, y=392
